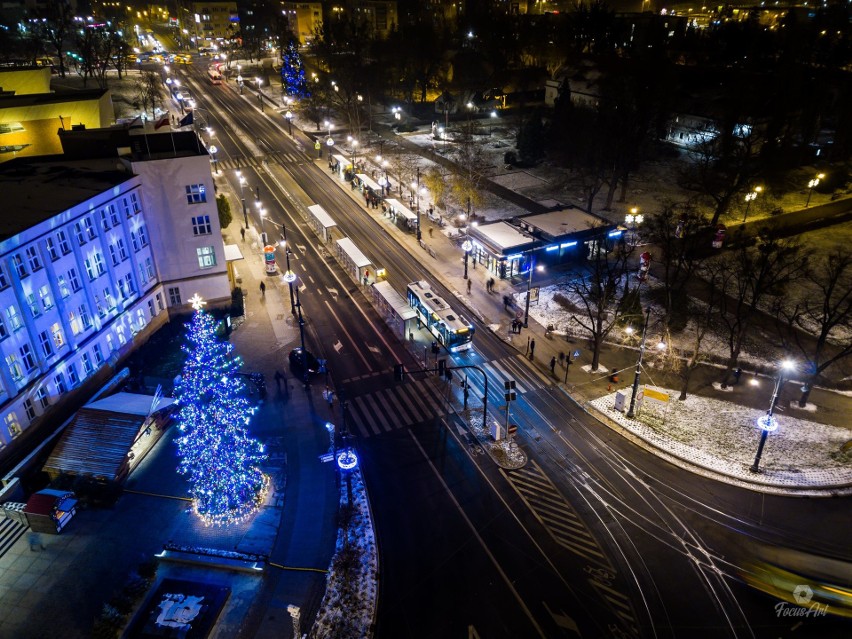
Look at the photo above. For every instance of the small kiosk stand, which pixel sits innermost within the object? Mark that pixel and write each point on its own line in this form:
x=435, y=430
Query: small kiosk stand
x=49, y=511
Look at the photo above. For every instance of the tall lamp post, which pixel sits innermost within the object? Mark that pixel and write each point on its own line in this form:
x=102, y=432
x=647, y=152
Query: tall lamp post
x=419, y=235
x=767, y=422
x=466, y=246
x=259, y=92
x=289, y=276
x=811, y=185
x=289, y=117
x=302, y=337
x=529, y=289
x=243, y=196
x=630, y=410
x=749, y=198
x=633, y=220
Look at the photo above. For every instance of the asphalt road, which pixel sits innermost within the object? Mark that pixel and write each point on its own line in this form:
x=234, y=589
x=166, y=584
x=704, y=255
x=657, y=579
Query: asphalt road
x=594, y=537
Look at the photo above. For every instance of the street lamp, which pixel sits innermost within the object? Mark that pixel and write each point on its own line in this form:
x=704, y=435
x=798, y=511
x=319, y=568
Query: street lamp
x=466, y=246
x=213, y=151
x=767, y=422
x=633, y=220
x=243, y=196
x=491, y=123
x=302, y=337
x=811, y=185
x=630, y=412
x=289, y=117
x=419, y=235
x=529, y=289
x=749, y=198
x=259, y=93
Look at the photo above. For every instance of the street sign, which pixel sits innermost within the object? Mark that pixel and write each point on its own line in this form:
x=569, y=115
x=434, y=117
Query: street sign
x=327, y=457
x=577, y=353
x=317, y=145
x=510, y=397
x=509, y=385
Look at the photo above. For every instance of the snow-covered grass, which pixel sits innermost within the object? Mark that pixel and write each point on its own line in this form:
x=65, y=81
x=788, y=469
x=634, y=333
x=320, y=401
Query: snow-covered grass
x=723, y=437
x=348, y=607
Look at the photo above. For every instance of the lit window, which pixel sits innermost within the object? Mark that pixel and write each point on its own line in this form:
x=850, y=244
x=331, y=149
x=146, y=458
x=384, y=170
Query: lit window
x=88, y=368
x=119, y=331
x=99, y=264
x=52, y=250
x=14, y=367
x=99, y=356
x=4, y=279
x=20, y=267
x=44, y=294
x=90, y=229
x=73, y=376
x=160, y=300
x=201, y=225
x=140, y=318
x=3, y=332
x=196, y=194
x=13, y=318
x=12, y=424
x=31, y=302
x=206, y=257
x=56, y=331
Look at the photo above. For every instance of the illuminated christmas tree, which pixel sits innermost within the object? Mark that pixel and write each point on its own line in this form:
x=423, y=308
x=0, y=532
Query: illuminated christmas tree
x=293, y=71
x=221, y=460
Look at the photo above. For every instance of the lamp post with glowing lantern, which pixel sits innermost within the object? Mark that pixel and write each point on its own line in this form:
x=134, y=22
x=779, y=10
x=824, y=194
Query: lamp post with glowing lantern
x=767, y=422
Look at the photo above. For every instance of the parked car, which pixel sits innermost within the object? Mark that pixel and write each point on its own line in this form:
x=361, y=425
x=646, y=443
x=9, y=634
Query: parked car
x=296, y=361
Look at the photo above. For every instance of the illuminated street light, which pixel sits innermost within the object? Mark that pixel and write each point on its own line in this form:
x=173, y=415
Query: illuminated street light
x=529, y=288
x=767, y=422
x=749, y=198
x=633, y=220
x=289, y=117
x=811, y=185
x=466, y=247
x=243, y=197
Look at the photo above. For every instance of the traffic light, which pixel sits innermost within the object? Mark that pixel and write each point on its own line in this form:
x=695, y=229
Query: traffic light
x=398, y=372
x=442, y=367
x=448, y=373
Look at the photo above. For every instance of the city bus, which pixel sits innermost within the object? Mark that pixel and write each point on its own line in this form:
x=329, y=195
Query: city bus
x=448, y=327
x=214, y=75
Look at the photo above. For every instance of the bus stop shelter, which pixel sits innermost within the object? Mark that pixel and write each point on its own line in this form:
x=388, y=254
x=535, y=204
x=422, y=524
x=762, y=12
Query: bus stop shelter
x=321, y=222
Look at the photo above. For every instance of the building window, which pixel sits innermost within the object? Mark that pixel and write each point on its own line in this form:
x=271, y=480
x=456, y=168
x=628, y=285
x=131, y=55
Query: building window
x=12, y=424
x=104, y=220
x=52, y=251
x=134, y=202
x=90, y=269
x=99, y=264
x=143, y=235
x=149, y=267
x=18, y=261
x=201, y=225
x=13, y=318
x=110, y=343
x=122, y=249
x=3, y=332
x=4, y=279
x=109, y=299
x=140, y=319
x=62, y=238
x=56, y=331
x=134, y=241
x=14, y=367
x=122, y=292
x=88, y=369
x=31, y=302
x=44, y=294
x=29, y=409
x=62, y=285
x=128, y=284
x=113, y=214
x=90, y=228
x=27, y=357
x=113, y=254
x=43, y=398
x=74, y=322
x=152, y=310
x=143, y=278
x=119, y=331
x=160, y=301
x=174, y=297
x=99, y=356
x=46, y=343
x=196, y=194
x=85, y=319
x=59, y=382
x=80, y=233
x=73, y=279
x=73, y=376
x=33, y=258
x=206, y=257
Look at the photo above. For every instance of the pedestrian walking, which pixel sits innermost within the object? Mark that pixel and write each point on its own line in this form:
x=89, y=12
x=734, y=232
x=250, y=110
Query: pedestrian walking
x=263, y=289
x=553, y=365
x=35, y=541
x=532, y=348
x=468, y=286
x=737, y=373
x=506, y=301
x=430, y=231
x=243, y=233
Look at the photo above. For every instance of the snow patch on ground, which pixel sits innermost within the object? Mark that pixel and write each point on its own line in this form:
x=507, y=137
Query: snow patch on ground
x=723, y=436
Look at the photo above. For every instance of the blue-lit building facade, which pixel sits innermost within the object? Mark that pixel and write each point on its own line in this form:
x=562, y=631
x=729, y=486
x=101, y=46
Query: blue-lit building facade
x=507, y=248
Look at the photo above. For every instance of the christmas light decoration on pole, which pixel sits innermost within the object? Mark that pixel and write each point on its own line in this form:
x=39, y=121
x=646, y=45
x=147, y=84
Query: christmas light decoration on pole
x=221, y=460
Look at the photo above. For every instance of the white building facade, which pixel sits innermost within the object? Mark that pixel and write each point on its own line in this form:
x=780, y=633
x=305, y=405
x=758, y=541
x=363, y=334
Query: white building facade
x=81, y=288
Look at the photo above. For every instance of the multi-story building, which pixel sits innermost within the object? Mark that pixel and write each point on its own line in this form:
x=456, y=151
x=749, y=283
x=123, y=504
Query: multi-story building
x=97, y=248
x=303, y=18
x=214, y=21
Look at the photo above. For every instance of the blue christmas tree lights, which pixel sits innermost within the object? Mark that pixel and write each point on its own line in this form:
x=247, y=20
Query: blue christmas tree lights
x=221, y=460
x=293, y=71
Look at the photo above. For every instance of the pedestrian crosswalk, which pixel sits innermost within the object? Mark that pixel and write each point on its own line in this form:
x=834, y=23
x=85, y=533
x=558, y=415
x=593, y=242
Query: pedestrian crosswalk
x=256, y=161
x=397, y=407
x=10, y=532
x=514, y=369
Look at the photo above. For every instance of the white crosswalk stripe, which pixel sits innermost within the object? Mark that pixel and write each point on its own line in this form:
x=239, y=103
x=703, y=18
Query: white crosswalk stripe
x=394, y=408
x=256, y=161
x=10, y=532
x=509, y=369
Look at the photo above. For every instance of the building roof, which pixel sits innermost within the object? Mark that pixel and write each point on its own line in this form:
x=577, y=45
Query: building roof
x=556, y=224
x=36, y=189
x=31, y=99
x=96, y=444
x=503, y=236
x=130, y=403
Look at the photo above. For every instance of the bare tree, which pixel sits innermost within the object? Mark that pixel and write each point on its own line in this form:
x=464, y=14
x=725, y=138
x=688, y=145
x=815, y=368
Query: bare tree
x=149, y=90
x=435, y=180
x=603, y=290
x=819, y=322
x=749, y=278
x=470, y=168
x=55, y=28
